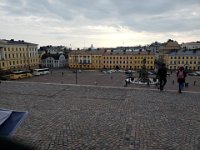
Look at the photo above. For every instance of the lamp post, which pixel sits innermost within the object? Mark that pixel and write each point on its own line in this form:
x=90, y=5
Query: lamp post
x=99, y=64
x=76, y=68
x=1, y=49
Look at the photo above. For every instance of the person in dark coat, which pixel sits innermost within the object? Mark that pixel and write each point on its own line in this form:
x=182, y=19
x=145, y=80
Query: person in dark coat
x=181, y=75
x=162, y=75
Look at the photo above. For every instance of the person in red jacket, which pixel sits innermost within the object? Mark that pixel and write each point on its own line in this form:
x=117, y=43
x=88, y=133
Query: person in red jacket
x=181, y=75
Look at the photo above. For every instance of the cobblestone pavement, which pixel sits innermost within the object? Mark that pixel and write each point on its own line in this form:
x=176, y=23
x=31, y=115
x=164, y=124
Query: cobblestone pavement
x=98, y=78
x=103, y=118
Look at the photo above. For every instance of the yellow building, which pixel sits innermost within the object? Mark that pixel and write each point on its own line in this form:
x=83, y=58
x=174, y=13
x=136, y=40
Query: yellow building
x=85, y=59
x=128, y=60
x=102, y=59
x=16, y=55
x=169, y=46
x=189, y=59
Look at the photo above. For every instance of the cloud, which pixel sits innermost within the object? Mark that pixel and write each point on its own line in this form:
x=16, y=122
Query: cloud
x=89, y=19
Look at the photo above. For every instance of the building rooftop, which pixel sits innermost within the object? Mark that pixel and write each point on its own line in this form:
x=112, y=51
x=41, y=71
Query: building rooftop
x=12, y=41
x=109, y=52
x=185, y=52
x=55, y=56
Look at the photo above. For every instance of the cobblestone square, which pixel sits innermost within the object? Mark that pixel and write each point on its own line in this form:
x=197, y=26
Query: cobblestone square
x=117, y=79
x=90, y=117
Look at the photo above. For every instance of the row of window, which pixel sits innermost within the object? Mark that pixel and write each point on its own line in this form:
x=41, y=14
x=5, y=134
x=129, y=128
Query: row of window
x=19, y=48
x=184, y=62
x=18, y=66
x=113, y=57
x=127, y=57
x=125, y=67
x=124, y=62
x=184, y=57
x=19, y=62
x=110, y=66
x=14, y=56
x=177, y=67
x=113, y=62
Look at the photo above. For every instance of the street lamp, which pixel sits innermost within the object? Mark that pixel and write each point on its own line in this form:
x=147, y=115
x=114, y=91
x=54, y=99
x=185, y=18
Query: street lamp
x=76, y=68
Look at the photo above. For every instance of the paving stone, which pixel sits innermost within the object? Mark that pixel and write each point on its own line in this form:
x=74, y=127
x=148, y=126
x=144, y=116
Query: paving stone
x=84, y=117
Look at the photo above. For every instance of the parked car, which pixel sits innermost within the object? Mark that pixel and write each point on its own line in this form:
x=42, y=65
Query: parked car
x=197, y=72
x=129, y=71
x=78, y=71
x=193, y=74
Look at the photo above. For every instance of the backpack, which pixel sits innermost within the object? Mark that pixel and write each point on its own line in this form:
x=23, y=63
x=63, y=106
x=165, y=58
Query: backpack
x=180, y=75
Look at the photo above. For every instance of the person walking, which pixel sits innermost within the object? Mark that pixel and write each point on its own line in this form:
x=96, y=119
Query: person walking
x=181, y=75
x=162, y=75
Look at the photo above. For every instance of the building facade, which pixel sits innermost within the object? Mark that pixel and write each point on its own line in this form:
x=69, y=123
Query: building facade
x=191, y=45
x=84, y=59
x=54, y=50
x=16, y=55
x=53, y=61
x=189, y=59
x=166, y=48
x=103, y=59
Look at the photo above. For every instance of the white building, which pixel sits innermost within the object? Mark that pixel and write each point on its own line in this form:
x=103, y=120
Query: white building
x=53, y=61
x=191, y=45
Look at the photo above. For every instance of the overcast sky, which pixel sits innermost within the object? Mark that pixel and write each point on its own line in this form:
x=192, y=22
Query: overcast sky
x=103, y=23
